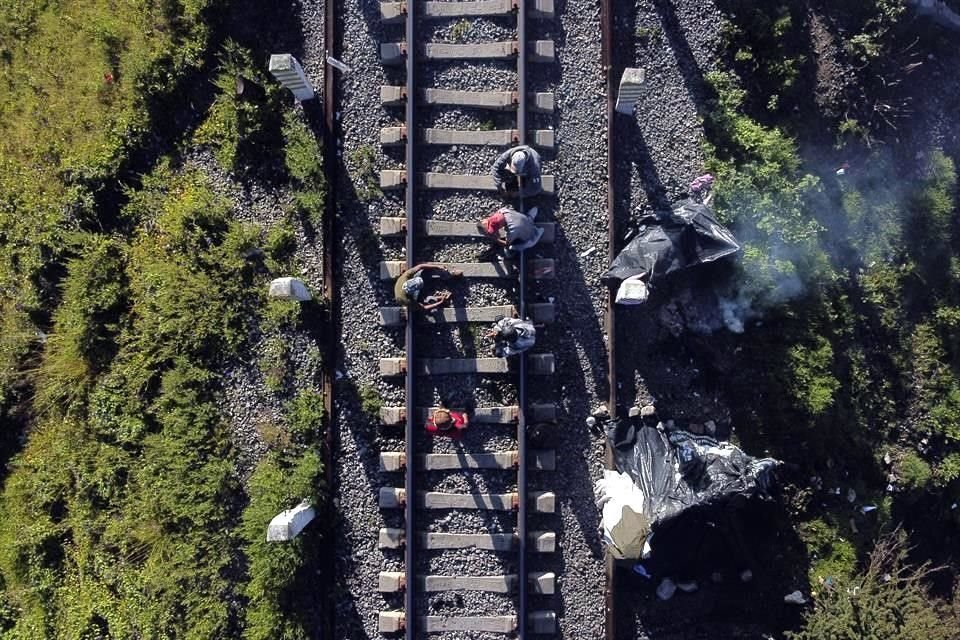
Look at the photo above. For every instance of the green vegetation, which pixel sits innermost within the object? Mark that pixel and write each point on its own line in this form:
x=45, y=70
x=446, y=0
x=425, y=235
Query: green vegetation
x=888, y=600
x=78, y=80
x=832, y=556
x=303, y=157
x=370, y=402
x=123, y=297
x=460, y=30
x=128, y=479
x=647, y=36
x=281, y=591
x=275, y=363
x=855, y=278
x=365, y=178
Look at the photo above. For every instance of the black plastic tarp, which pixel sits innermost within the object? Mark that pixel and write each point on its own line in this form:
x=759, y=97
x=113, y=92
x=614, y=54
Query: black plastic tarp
x=687, y=480
x=669, y=241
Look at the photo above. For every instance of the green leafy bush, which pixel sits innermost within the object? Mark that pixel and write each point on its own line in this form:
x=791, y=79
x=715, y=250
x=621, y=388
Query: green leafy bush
x=86, y=323
x=913, y=471
x=814, y=385
x=234, y=122
x=305, y=417
x=890, y=599
x=117, y=517
x=370, y=401
x=831, y=554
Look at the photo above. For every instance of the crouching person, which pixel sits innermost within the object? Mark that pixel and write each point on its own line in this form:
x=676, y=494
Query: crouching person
x=409, y=288
x=516, y=173
x=519, y=231
x=445, y=422
x=512, y=336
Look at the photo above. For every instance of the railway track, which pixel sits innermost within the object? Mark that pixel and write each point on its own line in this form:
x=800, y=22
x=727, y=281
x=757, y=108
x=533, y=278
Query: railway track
x=411, y=588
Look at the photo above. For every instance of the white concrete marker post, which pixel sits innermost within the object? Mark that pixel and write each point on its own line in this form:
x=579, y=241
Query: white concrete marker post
x=630, y=88
x=288, y=71
x=286, y=525
x=290, y=289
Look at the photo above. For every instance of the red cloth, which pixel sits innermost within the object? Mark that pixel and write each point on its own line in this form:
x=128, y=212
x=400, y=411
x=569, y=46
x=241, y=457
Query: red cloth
x=454, y=428
x=494, y=223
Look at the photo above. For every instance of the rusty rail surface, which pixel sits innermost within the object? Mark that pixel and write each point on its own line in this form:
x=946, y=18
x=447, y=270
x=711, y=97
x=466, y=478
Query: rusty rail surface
x=607, y=28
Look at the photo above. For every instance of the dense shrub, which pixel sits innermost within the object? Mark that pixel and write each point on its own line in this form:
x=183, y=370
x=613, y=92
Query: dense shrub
x=238, y=127
x=76, y=83
x=888, y=600
x=117, y=517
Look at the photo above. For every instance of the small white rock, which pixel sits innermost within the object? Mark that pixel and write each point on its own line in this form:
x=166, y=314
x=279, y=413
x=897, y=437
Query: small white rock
x=795, y=598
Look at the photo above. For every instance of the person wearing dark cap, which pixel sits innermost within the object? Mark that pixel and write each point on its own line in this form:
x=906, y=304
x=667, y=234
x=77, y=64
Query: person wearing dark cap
x=512, y=336
x=516, y=173
x=519, y=229
x=409, y=288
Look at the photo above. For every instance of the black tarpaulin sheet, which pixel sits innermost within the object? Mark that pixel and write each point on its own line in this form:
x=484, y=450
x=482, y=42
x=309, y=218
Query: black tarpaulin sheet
x=681, y=473
x=669, y=241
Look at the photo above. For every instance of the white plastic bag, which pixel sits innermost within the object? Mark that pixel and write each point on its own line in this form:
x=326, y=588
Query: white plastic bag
x=625, y=528
x=633, y=290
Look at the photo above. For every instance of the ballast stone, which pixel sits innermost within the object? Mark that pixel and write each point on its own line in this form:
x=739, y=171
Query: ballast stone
x=286, y=525
x=290, y=289
x=288, y=71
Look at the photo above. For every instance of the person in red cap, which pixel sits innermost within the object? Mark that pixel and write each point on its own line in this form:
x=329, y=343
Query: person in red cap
x=519, y=229
x=444, y=422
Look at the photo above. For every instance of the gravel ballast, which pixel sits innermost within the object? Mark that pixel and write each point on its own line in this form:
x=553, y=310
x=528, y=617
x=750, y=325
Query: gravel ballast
x=576, y=339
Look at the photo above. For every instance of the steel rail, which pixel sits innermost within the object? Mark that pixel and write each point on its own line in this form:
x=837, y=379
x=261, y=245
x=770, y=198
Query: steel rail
x=606, y=47
x=522, y=392
x=327, y=376
x=408, y=553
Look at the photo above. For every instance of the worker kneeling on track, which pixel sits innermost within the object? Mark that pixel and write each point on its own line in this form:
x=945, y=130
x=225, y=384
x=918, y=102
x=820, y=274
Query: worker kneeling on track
x=512, y=336
x=519, y=228
x=409, y=289
x=516, y=173
x=445, y=422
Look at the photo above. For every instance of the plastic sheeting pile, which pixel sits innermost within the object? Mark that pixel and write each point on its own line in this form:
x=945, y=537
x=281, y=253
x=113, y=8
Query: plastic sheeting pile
x=670, y=241
x=671, y=474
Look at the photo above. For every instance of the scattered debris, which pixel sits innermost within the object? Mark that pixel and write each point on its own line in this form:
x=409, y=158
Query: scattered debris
x=641, y=570
x=666, y=589
x=670, y=241
x=687, y=587
x=333, y=62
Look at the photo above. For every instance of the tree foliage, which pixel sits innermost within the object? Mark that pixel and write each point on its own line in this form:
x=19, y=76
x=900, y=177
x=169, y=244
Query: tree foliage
x=889, y=600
